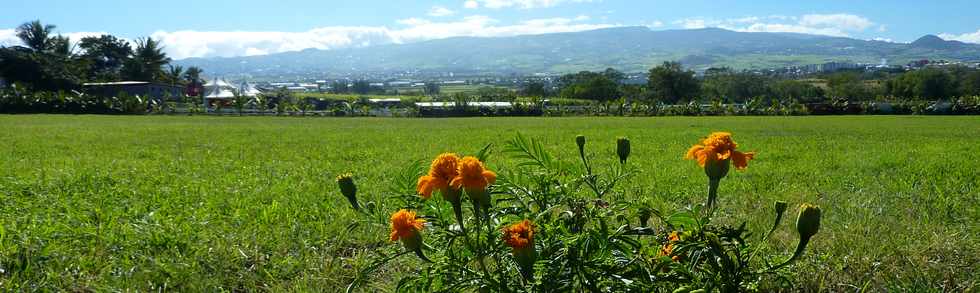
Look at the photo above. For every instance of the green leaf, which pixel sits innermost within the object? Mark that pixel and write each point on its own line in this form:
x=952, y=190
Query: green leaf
x=682, y=219
x=484, y=153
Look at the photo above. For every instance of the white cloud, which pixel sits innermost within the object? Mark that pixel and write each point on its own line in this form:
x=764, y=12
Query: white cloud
x=471, y=4
x=188, y=43
x=840, y=25
x=691, y=23
x=8, y=37
x=523, y=4
x=839, y=21
x=483, y=26
x=880, y=39
x=973, y=37
x=790, y=28
x=185, y=44
x=439, y=11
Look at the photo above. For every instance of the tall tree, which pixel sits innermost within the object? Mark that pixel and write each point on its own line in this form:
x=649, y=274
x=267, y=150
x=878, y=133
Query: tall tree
x=45, y=63
x=361, y=87
x=106, y=55
x=534, y=89
x=432, y=88
x=174, y=75
x=61, y=46
x=36, y=35
x=193, y=74
x=147, y=62
x=339, y=87
x=586, y=85
x=671, y=83
x=848, y=85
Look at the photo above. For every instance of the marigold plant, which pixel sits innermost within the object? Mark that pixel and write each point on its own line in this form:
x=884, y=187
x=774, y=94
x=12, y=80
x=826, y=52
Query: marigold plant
x=543, y=224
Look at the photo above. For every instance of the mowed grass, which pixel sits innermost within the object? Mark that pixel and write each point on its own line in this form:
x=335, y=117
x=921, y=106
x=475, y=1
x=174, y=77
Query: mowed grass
x=106, y=203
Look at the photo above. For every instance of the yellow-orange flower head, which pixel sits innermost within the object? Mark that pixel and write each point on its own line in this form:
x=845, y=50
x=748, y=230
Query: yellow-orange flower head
x=719, y=146
x=519, y=235
x=441, y=172
x=404, y=225
x=668, y=248
x=472, y=175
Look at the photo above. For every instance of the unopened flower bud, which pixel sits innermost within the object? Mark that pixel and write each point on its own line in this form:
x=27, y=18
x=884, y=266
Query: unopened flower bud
x=348, y=189
x=808, y=222
x=580, y=141
x=780, y=210
x=623, y=149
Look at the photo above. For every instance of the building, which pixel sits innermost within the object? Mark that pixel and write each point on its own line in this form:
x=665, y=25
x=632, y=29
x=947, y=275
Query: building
x=153, y=90
x=836, y=66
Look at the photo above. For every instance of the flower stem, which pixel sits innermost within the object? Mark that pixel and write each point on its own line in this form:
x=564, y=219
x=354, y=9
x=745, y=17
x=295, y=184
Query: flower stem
x=712, y=194
x=458, y=212
x=796, y=255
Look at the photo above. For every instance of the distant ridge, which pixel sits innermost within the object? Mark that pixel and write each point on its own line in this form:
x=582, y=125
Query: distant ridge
x=625, y=48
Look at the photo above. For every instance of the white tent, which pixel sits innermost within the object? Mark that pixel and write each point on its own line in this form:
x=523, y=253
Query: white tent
x=221, y=89
x=248, y=90
x=218, y=89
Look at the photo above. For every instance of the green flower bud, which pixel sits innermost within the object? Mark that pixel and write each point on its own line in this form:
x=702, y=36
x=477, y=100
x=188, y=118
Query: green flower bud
x=780, y=210
x=348, y=189
x=623, y=149
x=580, y=141
x=808, y=222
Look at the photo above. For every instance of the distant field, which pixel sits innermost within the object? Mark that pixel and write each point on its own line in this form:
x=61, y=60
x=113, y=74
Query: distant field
x=176, y=203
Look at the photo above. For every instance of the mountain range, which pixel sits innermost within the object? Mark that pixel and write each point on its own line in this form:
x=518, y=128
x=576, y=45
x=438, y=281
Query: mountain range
x=629, y=49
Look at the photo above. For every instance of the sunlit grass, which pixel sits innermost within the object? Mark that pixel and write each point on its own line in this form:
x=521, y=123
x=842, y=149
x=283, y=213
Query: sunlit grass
x=198, y=203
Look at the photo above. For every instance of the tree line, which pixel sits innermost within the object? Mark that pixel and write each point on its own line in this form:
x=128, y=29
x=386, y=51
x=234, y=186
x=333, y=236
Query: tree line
x=49, y=62
x=670, y=83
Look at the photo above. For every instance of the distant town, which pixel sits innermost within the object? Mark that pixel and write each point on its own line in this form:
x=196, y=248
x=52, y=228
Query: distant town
x=415, y=82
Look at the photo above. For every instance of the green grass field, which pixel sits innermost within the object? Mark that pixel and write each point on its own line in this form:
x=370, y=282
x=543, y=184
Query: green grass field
x=176, y=203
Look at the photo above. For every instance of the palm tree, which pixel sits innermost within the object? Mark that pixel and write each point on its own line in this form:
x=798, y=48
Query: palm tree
x=193, y=74
x=35, y=35
x=147, y=62
x=61, y=46
x=174, y=74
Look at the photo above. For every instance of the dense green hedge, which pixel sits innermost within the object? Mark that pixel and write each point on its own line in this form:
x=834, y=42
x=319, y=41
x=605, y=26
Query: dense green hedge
x=14, y=102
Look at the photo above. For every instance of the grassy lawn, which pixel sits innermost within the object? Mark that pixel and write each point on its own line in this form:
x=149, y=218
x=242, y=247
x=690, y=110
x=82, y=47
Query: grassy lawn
x=107, y=203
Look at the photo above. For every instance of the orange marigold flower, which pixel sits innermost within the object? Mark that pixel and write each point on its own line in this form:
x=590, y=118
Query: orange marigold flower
x=674, y=236
x=473, y=175
x=719, y=146
x=668, y=248
x=441, y=172
x=404, y=224
x=519, y=235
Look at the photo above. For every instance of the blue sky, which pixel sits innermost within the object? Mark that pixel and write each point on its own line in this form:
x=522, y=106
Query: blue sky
x=251, y=27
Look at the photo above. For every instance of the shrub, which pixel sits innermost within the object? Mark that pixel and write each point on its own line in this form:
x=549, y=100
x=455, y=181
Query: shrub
x=549, y=225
